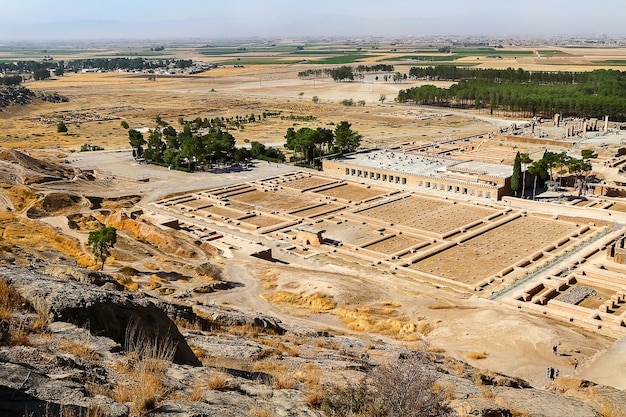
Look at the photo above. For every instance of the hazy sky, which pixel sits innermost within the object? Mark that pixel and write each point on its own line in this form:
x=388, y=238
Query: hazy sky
x=212, y=19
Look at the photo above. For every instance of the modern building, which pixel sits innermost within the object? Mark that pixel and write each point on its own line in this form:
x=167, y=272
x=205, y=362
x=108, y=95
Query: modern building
x=419, y=172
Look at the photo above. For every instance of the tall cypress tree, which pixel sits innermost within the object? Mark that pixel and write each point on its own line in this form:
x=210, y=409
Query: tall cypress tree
x=516, y=178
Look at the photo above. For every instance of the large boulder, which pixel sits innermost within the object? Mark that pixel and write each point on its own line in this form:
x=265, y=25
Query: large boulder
x=26, y=392
x=128, y=319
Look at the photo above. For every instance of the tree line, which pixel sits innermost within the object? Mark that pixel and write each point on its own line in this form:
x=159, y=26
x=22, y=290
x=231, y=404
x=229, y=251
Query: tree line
x=42, y=70
x=520, y=92
x=345, y=72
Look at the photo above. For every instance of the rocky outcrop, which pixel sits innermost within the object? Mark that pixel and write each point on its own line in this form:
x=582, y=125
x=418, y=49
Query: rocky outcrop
x=20, y=95
x=10, y=95
x=84, y=275
x=104, y=312
x=25, y=392
x=236, y=318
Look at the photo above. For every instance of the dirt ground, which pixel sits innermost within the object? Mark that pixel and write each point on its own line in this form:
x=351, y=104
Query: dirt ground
x=365, y=301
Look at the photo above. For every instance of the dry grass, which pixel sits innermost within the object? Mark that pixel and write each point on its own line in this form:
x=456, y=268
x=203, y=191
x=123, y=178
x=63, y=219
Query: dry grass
x=386, y=321
x=436, y=349
x=197, y=394
x=519, y=413
x=218, y=381
x=257, y=411
x=283, y=381
x=309, y=374
x=141, y=385
x=97, y=389
x=198, y=351
x=40, y=237
x=19, y=335
x=315, y=302
x=10, y=301
x=268, y=279
x=79, y=349
x=446, y=388
x=477, y=355
x=127, y=281
x=142, y=372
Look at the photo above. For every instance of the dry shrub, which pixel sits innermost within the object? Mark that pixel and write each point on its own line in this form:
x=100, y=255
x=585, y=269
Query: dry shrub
x=143, y=373
x=127, y=281
x=128, y=271
x=10, y=301
x=315, y=395
x=198, y=351
x=257, y=411
x=404, y=387
x=477, y=355
x=152, y=285
x=19, y=335
x=42, y=320
x=283, y=381
x=142, y=385
x=79, y=349
x=246, y=330
x=436, y=349
x=210, y=271
x=424, y=327
x=446, y=388
x=151, y=266
x=218, y=381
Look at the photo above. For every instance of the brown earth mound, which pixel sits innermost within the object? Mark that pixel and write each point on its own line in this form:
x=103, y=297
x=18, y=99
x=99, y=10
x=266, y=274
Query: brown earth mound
x=17, y=167
x=151, y=234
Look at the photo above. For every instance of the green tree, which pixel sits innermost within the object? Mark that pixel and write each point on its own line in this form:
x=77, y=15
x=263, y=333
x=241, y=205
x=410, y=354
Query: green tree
x=346, y=139
x=257, y=149
x=155, y=147
x=581, y=169
x=382, y=98
x=136, y=140
x=550, y=160
x=61, y=128
x=124, y=124
x=588, y=154
x=516, y=178
x=561, y=160
x=41, y=74
x=101, y=242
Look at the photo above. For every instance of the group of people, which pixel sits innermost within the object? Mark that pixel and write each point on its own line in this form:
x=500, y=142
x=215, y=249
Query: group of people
x=552, y=373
